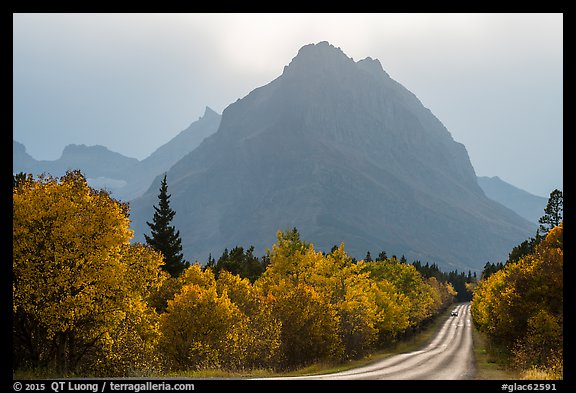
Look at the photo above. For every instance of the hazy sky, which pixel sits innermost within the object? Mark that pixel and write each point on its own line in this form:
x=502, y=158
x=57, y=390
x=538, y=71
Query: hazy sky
x=132, y=82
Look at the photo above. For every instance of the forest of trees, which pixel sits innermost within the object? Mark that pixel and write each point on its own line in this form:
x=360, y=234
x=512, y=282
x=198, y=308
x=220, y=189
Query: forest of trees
x=88, y=302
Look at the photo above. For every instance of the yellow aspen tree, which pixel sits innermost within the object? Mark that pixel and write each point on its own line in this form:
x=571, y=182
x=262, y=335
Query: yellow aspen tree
x=309, y=325
x=261, y=337
x=201, y=330
x=348, y=289
x=393, y=310
x=75, y=276
x=408, y=281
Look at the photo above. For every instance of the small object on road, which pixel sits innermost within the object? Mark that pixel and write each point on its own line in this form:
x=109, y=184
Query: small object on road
x=454, y=314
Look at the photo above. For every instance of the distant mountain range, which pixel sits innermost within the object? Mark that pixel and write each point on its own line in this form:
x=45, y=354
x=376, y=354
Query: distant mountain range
x=527, y=205
x=334, y=147
x=127, y=178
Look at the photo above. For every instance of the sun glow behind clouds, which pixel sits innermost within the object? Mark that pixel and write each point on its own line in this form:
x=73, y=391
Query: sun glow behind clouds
x=494, y=80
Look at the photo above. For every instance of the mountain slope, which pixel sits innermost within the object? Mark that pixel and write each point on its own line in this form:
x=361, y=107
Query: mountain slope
x=341, y=151
x=168, y=154
x=21, y=160
x=183, y=143
x=527, y=205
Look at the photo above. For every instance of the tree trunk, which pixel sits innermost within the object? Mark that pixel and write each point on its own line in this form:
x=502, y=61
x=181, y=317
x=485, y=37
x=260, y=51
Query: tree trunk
x=61, y=354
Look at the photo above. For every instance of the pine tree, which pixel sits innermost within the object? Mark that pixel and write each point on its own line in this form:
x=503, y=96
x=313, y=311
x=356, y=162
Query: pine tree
x=368, y=257
x=164, y=237
x=552, y=213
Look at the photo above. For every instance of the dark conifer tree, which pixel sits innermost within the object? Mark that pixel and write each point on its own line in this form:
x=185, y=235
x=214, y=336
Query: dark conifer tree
x=553, y=216
x=164, y=237
x=553, y=213
x=382, y=256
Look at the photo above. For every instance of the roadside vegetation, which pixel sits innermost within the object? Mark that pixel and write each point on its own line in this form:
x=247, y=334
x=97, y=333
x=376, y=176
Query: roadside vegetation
x=518, y=307
x=492, y=361
x=88, y=302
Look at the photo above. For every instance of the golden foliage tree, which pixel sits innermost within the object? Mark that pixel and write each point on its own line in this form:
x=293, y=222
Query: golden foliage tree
x=309, y=325
x=79, y=287
x=349, y=290
x=261, y=338
x=372, y=302
x=224, y=323
x=408, y=282
x=201, y=329
x=521, y=306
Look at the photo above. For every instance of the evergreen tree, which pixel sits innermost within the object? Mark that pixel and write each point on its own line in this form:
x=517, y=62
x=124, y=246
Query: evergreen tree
x=239, y=262
x=553, y=212
x=164, y=237
x=525, y=248
x=20, y=178
x=553, y=215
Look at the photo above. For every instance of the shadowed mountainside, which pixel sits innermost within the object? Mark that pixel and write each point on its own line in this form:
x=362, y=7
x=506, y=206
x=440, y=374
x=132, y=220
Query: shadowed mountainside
x=343, y=152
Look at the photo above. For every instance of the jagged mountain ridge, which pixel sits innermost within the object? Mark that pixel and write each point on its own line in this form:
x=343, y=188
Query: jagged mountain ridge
x=126, y=177
x=171, y=152
x=95, y=161
x=341, y=151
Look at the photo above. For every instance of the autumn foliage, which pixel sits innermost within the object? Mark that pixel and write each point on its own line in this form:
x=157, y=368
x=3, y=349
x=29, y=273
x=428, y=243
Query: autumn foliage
x=87, y=302
x=521, y=306
x=79, y=288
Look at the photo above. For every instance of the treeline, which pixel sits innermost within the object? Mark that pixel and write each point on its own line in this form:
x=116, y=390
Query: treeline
x=88, y=302
x=519, y=304
x=244, y=263
x=462, y=283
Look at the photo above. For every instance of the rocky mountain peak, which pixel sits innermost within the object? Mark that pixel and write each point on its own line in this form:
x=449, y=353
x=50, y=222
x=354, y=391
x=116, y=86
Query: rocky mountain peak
x=373, y=66
x=341, y=151
x=209, y=113
x=322, y=57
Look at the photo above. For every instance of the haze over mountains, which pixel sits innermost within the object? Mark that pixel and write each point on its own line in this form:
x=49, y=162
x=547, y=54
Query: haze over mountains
x=527, y=205
x=341, y=151
x=334, y=147
x=127, y=178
